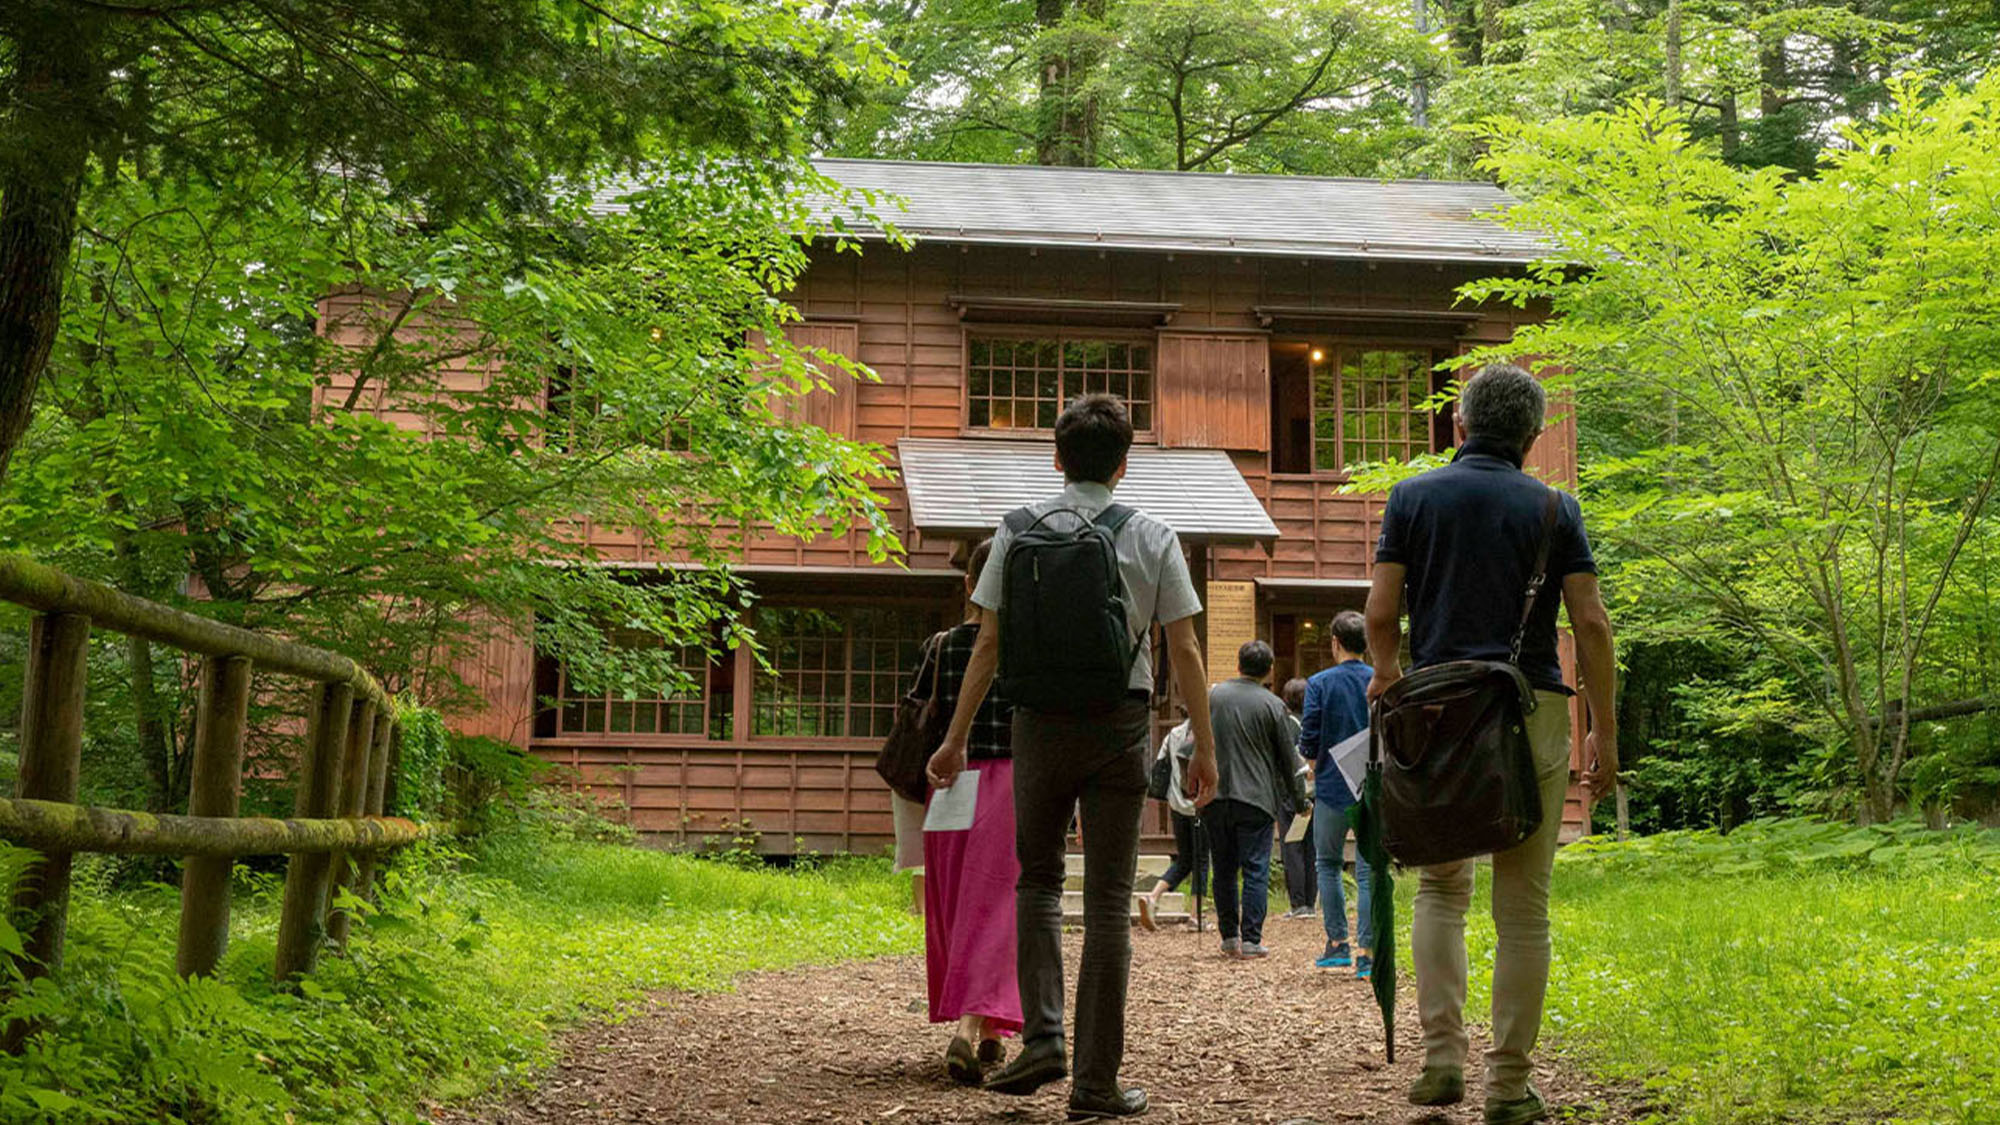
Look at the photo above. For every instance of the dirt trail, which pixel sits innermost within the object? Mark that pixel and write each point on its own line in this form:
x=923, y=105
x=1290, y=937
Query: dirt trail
x=1210, y=1040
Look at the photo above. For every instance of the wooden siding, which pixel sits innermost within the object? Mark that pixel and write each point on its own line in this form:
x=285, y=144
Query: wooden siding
x=1214, y=390
x=832, y=408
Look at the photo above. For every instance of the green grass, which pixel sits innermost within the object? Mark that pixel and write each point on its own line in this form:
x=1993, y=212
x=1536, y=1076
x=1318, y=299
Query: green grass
x=1808, y=982
x=456, y=988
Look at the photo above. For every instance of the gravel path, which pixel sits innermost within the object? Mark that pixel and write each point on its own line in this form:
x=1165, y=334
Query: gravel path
x=1211, y=1041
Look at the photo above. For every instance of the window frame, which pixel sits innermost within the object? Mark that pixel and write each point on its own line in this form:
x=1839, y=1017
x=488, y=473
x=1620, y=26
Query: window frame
x=1061, y=333
x=745, y=673
x=748, y=702
x=1335, y=346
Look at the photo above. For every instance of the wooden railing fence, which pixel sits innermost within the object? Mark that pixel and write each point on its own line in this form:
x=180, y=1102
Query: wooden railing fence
x=352, y=744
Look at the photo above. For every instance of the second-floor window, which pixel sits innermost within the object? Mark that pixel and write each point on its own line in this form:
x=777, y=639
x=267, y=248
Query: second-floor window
x=1022, y=382
x=1336, y=404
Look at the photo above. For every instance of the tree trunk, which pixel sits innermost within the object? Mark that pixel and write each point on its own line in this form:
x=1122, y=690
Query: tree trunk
x=1673, y=75
x=1066, y=125
x=42, y=152
x=1730, y=128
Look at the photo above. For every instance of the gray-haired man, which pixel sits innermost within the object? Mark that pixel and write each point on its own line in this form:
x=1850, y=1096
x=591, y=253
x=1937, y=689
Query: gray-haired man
x=1457, y=546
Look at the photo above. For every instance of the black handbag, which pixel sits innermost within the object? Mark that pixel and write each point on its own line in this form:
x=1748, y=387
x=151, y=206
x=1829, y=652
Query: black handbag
x=1451, y=743
x=916, y=732
x=1160, y=778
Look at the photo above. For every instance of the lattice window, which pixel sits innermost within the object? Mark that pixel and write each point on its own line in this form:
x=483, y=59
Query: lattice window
x=703, y=708
x=835, y=672
x=1022, y=383
x=1368, y=405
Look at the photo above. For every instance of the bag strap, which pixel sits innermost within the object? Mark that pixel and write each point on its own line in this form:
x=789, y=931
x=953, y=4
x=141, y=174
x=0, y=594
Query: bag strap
x=1019, y=520
x=1539, y=576
x=1113, y=518
x=934, y=657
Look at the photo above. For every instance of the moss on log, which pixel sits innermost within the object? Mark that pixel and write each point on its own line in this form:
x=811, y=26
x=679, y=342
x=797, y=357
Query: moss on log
x=24, y=581
x=55, y=826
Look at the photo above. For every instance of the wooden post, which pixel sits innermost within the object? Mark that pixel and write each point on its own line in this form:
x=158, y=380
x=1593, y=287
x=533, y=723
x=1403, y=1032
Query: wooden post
x=300, y=928
x=371, y=801
x=51, y=758
x=214, y=789
x=353, y=793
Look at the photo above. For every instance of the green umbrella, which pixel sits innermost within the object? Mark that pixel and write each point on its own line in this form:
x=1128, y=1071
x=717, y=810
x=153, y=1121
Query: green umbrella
x=1368, y=842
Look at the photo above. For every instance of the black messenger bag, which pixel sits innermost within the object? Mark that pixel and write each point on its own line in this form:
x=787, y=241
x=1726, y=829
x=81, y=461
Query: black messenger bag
x=1451, y=742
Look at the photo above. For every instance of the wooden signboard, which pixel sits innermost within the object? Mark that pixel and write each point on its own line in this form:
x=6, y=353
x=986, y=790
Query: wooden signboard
x=1232, y=622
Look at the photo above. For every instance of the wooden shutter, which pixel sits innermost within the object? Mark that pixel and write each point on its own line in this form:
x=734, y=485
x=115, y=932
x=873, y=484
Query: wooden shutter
x=831, y=410
x=1214, y=390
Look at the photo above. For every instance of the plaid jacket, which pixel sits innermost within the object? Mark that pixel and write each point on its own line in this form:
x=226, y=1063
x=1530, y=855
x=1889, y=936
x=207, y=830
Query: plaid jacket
x=993, y=727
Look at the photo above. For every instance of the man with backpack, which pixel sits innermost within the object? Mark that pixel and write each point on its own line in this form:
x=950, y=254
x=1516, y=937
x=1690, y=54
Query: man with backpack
x=1076, y=583
x=1458, y=545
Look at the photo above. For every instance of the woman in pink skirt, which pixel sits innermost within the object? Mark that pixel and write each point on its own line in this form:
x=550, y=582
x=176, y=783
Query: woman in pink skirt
x=971, y=870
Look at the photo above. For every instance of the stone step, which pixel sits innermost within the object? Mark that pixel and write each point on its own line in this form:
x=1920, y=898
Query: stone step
x=1148, y=870
x=1173, y=905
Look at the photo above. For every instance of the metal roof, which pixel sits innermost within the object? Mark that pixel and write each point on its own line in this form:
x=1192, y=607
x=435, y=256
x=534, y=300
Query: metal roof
x=1194, y=212
x=964, y=487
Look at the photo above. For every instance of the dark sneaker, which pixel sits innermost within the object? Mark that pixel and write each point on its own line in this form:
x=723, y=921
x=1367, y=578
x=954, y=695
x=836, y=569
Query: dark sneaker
x=1337, y=956
x=1032, y=1069
x=1251, y=951
x=1439, y=1085
x=1126, y=1101
x=1232, y=947
x=1520, y=1111
x=1364, y=967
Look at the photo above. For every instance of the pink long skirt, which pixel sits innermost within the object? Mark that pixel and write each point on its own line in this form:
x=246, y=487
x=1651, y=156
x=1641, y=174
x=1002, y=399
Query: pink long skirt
x=969, y=909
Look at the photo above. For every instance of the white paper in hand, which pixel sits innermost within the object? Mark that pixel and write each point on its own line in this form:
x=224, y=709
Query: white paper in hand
x=1350, y=755
x=951, y=809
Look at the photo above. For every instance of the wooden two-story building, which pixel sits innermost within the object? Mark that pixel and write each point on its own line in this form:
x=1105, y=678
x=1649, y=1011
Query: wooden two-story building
x=1266, y=331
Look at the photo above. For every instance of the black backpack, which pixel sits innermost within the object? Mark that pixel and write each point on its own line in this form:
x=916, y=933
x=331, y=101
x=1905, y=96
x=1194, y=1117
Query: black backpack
x=1065, y=643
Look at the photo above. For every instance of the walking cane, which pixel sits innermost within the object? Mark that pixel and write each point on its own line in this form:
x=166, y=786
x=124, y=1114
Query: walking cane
x=1200, y=842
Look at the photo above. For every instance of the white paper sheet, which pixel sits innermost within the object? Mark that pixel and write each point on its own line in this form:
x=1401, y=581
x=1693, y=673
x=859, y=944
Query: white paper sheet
x=951, y=809
x=1351, y=756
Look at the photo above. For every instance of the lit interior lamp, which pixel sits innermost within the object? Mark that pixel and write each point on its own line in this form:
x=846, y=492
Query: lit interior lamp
x=1318, y=355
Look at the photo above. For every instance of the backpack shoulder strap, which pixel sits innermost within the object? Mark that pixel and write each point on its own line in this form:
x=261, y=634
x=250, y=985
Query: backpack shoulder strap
x=1018, y=520
x=1538, y=577
x=1113, y=518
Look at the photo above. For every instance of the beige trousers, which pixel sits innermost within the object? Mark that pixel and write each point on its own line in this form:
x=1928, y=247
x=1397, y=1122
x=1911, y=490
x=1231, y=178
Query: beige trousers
x=1520, y=923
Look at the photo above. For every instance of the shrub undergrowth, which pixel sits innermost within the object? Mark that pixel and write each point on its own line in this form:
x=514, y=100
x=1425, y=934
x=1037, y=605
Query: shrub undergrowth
x=454, y=985
x=1791, y=971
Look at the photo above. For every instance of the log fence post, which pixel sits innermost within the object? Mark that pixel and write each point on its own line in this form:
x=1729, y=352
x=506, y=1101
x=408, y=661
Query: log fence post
x=300, y=929
x=51, y=750
x=215, y=788
x=51, y=759
x=353, y=793
x=371, y=801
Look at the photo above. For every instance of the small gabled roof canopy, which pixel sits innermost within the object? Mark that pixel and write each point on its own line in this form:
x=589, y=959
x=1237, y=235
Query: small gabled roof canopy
x=962, y=488
x=1194, y=212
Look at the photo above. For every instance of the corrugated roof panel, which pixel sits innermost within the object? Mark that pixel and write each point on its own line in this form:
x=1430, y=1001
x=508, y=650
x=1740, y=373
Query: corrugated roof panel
x=1298, y=216
x=966, y=486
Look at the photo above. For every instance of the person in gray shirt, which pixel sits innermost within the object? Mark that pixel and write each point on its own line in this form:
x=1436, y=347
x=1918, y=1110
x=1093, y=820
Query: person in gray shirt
x=1092, y=761
x=1255, y=755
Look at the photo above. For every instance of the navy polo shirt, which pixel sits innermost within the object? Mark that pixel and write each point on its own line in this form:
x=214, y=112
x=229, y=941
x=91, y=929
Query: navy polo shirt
x=1467, y=535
